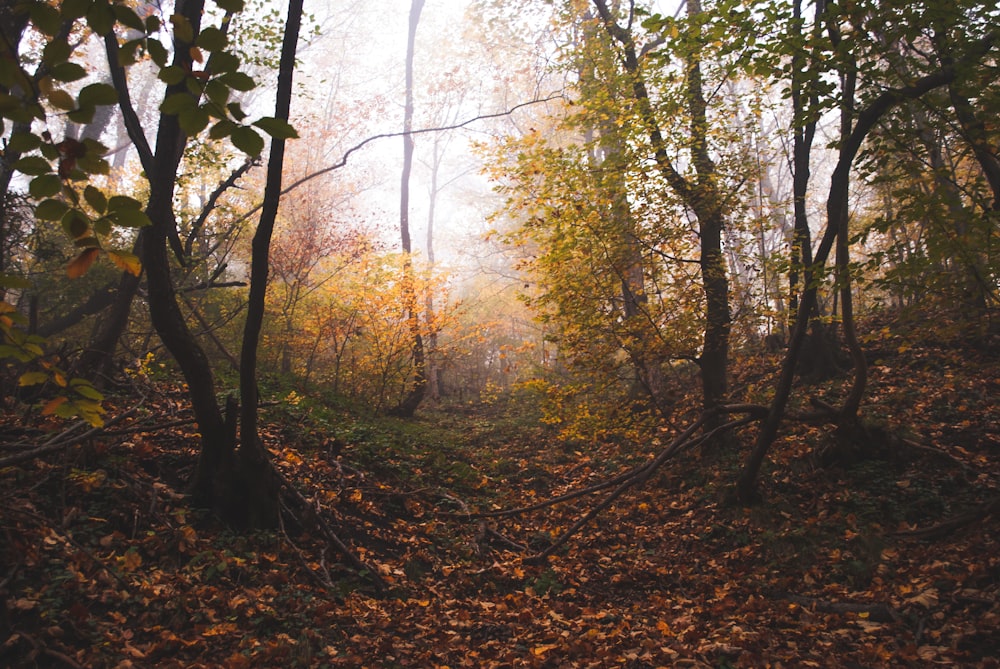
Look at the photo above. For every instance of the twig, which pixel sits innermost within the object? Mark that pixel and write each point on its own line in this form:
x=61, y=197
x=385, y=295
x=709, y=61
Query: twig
x=324, y=581
x=507, y=541
x=328, y=533
x=681, y=443
x=68, y=538
x=939, y=452
x=57, y=442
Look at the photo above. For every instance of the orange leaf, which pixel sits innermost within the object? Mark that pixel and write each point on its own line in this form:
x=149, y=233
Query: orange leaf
x=132, y=560
x=80, y=264
x=53, y=404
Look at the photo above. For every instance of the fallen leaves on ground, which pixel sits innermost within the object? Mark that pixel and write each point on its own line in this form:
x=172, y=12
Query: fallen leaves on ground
x=105, y=565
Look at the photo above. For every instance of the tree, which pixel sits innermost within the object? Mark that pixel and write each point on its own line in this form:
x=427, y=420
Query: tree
x=699, y=192
x=861, y=109
x=198, y=92
x=410, y=403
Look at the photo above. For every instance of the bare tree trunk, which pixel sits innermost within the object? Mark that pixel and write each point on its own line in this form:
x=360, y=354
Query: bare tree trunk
x=258, y=489
x=408, y=406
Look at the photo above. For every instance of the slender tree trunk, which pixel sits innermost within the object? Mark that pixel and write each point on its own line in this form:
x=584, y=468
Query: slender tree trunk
x=702, y=197
x=408, y=406
x=433, y=372
x=849, y=411
x=836, y=205
x=258, y=488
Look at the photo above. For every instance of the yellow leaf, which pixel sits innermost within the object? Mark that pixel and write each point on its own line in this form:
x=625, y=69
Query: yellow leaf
x=60, y=99
x=538, y=651
x=125, y=261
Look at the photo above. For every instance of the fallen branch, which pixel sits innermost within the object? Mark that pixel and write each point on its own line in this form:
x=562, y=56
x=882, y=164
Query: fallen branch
x=876, y=612
x=311, y=512
x=324, y=580
x=946, y=527
x=938, y=452
x=754, y=411
x=685, y=441
x=63, y=440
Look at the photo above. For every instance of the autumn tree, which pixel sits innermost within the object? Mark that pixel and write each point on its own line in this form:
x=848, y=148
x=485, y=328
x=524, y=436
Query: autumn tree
x=870, y=90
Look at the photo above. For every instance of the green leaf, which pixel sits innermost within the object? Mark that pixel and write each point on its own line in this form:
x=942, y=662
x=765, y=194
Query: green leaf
x=176, y=103
x=193, y=120
x=223, y=61
x=212, y=39
x=217, y=92
x=45, y=18
x=75, y=224
x=236, y=110
x=32, y=378
x=100, y=18
x=172, y=75
x=239, y=81
x=11, y=281
x=85, y=389
x=248, y=141
x=98, y=95
x=60, y=99
x=96, y=198
x=157, y=52
x=22, y=142
x=83, y=115
x=45, y=185
x=152, y=24
x=128, y=53
x=123, y=203
x=56, y=51
x=67, y=72
x=102, y=226
x=183, y=30
x=49, y=150
x=276, y=127
x=93, y=163
x=127, y=16
x=74, y=9
x=33, y=165
x=51, y=210
x=131, y=218
x=230, y=5
x=223, y=128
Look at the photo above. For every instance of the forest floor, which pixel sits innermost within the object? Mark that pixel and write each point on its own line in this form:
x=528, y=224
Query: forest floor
x=103, y=564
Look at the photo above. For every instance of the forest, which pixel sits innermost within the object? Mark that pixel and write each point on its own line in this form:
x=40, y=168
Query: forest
x=542, y=333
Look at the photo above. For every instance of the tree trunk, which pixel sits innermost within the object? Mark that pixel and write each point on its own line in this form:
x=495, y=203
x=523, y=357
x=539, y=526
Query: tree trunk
x=415, y=396
x=256, y=487
x=702, y=197
x=167, y=318
x=837, y=201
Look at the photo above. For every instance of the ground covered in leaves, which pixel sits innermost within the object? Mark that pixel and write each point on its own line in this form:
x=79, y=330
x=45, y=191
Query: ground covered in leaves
x=890, y=561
